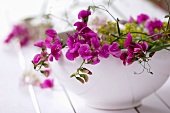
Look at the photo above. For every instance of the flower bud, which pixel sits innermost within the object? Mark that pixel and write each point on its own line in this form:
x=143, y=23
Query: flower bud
x=85, y=70
x=45, y=72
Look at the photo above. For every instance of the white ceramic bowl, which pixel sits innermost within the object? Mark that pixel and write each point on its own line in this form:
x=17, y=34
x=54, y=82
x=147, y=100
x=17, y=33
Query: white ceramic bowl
x=113, y=85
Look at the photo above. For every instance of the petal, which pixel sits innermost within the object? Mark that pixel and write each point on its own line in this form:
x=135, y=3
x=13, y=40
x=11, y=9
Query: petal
x=83, y=14
x=48, y=83
x=40, y=43
x=51, y=32
x=128, y=40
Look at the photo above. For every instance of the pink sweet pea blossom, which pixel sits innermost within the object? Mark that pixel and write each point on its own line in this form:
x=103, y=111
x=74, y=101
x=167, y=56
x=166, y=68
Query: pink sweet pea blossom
x=104, y=51
x=40, y=43
x=37, y=58
x=128, y=40
x=80, y=25
x=20, y=32
x=51, y=32
x=114, y=49
x=95, y=42
x=142, y=18
x=84, y=51
x=94, y=59
x=56, y=51
x=151, y=25
x=48, y=83
x=83, y=14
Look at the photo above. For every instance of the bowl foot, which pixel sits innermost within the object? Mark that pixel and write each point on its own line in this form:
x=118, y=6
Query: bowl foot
x=114, y=106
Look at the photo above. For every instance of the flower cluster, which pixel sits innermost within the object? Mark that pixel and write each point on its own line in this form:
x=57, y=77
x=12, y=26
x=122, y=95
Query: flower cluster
x=25, y=31
x=131, y=43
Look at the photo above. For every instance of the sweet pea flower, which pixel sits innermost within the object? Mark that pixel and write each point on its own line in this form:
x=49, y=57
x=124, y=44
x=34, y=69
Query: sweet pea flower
x=37, y=58
x=141, y=47
x=40, y=43
x=51, y=32
x=21, y=32
x=142, y=18
x=104, y=51
x=128, y=40
x=50, y=58
x=71, y=40
x=127, y=58
x=131, y=19
x=130, y=59
x=85, y=51
x=83, y=14
x=114, y=49
x=123, y=57
x=48, y=83
x=72, y=53
x=152, y=25
x=95, y=42
x=56, y=51
x=94, y=59
x=80, y=25
x=49, y=41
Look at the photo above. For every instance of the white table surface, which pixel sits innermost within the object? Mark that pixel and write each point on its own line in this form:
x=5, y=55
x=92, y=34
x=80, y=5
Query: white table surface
x=15, y=98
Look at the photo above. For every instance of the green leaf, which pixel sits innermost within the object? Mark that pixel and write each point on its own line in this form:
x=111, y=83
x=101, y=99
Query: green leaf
x=86, y=78
x=73, y=75
x=158, y=48
x=80, y=79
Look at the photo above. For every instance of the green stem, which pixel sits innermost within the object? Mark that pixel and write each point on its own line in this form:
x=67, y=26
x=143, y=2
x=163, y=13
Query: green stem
x=80, y=66
x=137, y=33
x=168, y=24
x=118, y=28
x=169, y=14
x=151, y=36
x=107, y=11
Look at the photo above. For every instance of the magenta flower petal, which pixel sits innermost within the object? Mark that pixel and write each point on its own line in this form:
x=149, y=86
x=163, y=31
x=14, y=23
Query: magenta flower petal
x=48, y=41
x=84, y=51
x=48, y=83
x=131, y=20
x=128, y=40
x=10, y=36
x=71, y=56
x=51, y=32
x=114, y=48
x=83, y=14
x=141, y=18
x=40, y=43
x=145, y=46
x=95, y=42
x=24, y=41
x=51, y=58
x=104, y=52
x=130, y=59
x=36, y=59
x=152, y=25
x=80, y=25
x=56, y=51
x=123, y=57
x=95, y=60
